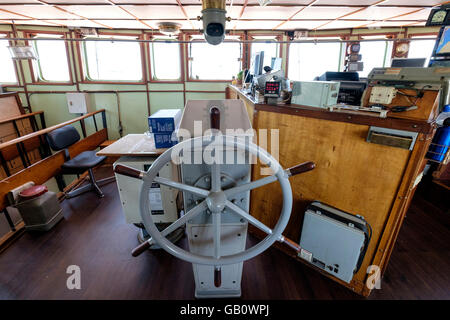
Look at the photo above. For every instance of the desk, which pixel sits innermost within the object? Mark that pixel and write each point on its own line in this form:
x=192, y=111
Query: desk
x=134, y=145
x=373, y=180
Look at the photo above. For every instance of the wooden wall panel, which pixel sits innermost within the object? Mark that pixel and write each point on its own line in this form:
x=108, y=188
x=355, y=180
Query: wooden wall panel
x=351, y=174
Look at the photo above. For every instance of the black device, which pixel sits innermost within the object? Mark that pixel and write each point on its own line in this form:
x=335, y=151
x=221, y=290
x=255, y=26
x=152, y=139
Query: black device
x=339, y=76
x=408, y=62
x=272, y=89
x=350, y=89
x=439, y=16
x=350, y=92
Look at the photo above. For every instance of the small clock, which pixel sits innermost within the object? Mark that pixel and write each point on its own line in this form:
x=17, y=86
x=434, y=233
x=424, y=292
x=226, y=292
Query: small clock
x=354, y=48
x=401, y=49
x=439, y=16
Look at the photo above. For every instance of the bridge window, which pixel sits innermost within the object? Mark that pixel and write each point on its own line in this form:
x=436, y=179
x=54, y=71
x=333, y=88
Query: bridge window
x=113, y=60
x=165, y=60
x=219, y=62
x=7, y=74
x=52, y=64
x=310, y=60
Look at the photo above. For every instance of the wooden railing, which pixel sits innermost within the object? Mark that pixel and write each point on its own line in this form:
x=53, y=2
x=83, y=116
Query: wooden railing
x=22, y=150
x=50, y=166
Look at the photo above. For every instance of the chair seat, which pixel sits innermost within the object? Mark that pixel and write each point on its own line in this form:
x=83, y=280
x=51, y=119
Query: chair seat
x=84, y=161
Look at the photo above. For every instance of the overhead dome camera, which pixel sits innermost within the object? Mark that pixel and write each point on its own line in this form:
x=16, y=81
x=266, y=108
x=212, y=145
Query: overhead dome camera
x=214, y=19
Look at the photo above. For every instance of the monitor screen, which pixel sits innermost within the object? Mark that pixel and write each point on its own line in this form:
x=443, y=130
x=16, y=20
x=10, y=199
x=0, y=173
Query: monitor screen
x=276, y=64
x=256, y=64
x=408, y=62
x=443, y=45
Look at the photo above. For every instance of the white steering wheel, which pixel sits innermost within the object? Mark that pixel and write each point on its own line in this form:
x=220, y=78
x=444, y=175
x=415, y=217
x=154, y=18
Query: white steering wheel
x=215, y=200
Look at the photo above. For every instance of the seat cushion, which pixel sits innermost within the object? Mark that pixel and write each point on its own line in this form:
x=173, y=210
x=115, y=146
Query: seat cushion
x=33, y=192
x=83, y=161
x=64, y=137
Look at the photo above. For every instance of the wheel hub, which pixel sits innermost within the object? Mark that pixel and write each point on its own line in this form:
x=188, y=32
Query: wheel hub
x=216, y=201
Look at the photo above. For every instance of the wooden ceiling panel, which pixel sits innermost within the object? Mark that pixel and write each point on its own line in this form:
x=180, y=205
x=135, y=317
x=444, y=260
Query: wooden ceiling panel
x=414, y=2
x=380, y=13
x=184, y=23
x=16, y=1
x=194, y=11
x=388, y=24
x=325, y=12
x=75, y=1
x=9, y=15
x=98, y=12
x=339, y=24
x=38, y=11
x=275, y=2
x=156, y=12
x=271, y=12
x=292, y=25
x=37, y=23
x=420, y=15
x=77, y=23
x=125, y=24
x=255, y=25
x=346, y=2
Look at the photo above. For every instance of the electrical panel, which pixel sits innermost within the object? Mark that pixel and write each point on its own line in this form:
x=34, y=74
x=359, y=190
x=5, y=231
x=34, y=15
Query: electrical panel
x=322, y=94
x=78, y=102
x=382, y=95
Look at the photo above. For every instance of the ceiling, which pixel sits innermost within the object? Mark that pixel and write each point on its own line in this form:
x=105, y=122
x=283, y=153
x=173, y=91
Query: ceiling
x=245, y=14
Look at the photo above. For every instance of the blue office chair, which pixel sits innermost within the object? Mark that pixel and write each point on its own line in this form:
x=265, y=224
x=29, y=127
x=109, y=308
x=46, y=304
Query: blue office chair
x=61, y=139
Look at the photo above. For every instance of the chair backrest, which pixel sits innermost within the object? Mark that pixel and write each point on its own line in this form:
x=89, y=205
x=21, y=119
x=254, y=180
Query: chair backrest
x=62, y=138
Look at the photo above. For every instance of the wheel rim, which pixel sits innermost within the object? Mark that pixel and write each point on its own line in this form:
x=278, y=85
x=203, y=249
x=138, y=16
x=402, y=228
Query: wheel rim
x=209, y=260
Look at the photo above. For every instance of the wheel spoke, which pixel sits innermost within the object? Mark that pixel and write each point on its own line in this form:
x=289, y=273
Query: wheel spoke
x=216, y=219
x=191, y=214
x=249, y=186
x=248, y=217
x=181, y=186
x=215, y=177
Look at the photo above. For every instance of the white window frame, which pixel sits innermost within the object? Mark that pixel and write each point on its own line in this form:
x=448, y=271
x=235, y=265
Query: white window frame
x=152, y=61
x=340, y=57
x=16, y=76
x=200, y=39
x=388, y=45
x=36, y=65
x=85, y=62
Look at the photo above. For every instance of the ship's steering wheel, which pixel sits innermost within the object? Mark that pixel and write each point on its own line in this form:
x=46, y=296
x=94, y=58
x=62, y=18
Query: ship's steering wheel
x=215, y=199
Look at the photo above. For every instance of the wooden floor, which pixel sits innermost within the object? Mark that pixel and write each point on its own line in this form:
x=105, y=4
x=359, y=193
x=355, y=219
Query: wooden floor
x=95, y=237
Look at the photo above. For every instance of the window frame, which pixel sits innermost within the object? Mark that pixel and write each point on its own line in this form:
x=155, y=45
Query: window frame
x=276, y=38
x=181, y=57
x=36, y=74
x=432, y=37
x=188, y=54
x=388, y=54
x=341, y=54
x=17, y=83
x=82, y=62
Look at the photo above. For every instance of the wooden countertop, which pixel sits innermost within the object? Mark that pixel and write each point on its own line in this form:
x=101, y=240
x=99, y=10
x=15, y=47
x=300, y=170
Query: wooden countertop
x=134, y=145
x=351, y=116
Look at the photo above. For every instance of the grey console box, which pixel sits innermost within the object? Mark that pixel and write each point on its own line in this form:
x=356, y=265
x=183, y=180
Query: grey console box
x=333, y=240
x=322, y=94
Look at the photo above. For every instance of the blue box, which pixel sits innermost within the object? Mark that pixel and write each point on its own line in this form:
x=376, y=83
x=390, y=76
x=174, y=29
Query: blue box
x=164, y=140
x=164, y=121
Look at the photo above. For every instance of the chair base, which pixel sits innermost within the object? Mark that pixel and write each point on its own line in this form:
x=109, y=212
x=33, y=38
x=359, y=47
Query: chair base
x=94, y=185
